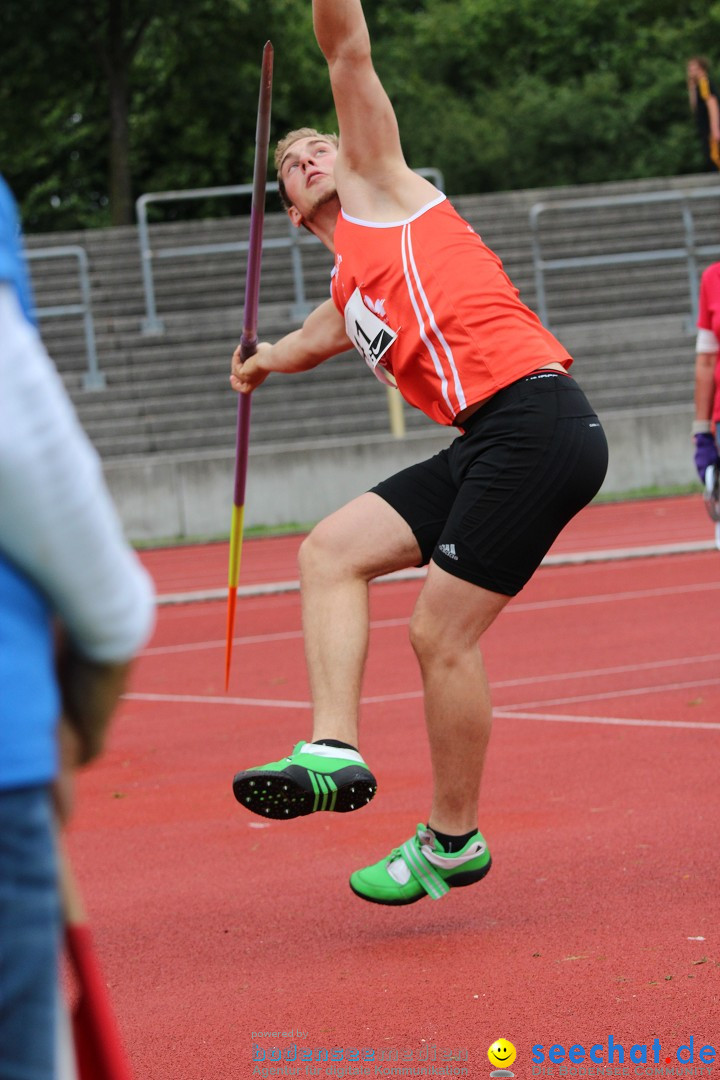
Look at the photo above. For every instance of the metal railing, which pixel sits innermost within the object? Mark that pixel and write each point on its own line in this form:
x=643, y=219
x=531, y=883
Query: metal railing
x=689, y=252
x=295, y=241
x=93, y=379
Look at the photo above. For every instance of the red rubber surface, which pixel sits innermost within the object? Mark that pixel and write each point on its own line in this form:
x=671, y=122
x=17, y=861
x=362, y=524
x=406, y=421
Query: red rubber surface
x=600, y=803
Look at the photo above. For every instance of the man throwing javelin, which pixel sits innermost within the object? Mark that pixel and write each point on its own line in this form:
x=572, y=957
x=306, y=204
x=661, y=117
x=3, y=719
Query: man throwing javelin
x=428, y=306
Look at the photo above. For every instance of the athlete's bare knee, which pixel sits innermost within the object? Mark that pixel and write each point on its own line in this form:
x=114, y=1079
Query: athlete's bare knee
x=442, y=632
x=324, y=554
x=441, y=644
x=316, y=555
x=428, y=638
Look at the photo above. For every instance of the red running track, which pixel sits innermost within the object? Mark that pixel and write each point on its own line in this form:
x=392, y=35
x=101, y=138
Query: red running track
x=674, y=522
x=600, y=803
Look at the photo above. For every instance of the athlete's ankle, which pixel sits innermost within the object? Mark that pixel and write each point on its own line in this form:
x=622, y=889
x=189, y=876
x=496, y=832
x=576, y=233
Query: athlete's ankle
x=452, y=841
x=337, y=743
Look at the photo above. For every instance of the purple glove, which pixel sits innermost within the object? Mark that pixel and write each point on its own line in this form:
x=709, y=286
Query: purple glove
x=706, y=453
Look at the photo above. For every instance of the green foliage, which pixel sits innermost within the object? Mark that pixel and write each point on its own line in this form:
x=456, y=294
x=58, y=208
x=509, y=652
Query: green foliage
x=528, y=94
x=498, y=94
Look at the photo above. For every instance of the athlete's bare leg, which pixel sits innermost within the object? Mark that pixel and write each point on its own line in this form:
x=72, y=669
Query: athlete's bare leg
x=341, y=556
x=449, y=618
x=338, y=559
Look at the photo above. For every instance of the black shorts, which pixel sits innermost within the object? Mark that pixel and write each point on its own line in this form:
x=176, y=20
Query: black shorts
x=488, y=508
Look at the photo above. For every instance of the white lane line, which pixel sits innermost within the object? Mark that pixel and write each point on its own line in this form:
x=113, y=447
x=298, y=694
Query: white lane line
x=502, y=713
x=203, y=699
x=384, y=624
x=518, y=711
x=645, y=551
x=620, y=669
x=612, y=598
x=561, y=677
x=658, y=688
x=512, y=714
x=253, y=639
x=529, y=680
x=565, y=559
x=198, y=646
x=269, y=703
x=272, y=588
x=513, y=608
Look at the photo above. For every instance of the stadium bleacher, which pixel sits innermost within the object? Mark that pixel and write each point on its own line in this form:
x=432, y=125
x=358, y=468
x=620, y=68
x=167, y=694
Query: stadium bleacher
x=167, y=393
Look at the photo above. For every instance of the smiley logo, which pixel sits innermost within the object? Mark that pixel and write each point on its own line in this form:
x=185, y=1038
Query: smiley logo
x=501, y=1054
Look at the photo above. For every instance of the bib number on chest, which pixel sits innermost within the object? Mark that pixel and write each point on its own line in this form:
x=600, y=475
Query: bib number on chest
x=370, y=335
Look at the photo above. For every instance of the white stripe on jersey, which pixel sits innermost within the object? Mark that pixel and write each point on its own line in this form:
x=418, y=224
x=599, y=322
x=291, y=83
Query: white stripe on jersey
x=421, y=327
x=448, y=351
x=409, y=265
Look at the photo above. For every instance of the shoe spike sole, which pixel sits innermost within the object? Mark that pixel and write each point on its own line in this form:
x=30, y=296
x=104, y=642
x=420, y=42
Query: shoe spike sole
x=296, y=792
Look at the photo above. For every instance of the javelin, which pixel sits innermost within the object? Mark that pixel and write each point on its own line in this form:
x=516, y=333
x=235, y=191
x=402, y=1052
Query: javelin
x=248, y=341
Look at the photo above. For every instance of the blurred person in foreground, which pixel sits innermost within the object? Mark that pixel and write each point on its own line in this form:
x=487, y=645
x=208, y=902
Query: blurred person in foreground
x=75, y=606
x=703, y=99
x=430, y=308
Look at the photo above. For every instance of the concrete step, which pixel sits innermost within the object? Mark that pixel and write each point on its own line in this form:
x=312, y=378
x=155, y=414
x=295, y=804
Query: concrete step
x=166, y=398
x=625, y=326
x=151, y=441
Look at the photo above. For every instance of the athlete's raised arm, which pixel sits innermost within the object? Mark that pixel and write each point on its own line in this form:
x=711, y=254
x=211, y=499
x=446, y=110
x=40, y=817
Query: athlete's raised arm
x=369, y=132
x=370, y=153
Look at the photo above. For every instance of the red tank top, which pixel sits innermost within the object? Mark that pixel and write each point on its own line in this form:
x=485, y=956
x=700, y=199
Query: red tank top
x=426, y=301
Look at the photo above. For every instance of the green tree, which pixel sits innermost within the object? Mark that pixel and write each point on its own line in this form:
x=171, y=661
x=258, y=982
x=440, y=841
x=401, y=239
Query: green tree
x=67, y=97
x=103, y=100
x=518, y=93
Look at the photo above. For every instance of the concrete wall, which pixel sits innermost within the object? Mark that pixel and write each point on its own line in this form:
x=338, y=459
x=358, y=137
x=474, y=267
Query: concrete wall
x=190, y=494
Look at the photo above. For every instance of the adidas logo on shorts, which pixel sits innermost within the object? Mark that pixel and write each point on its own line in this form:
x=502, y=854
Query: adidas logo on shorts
x=449, y=550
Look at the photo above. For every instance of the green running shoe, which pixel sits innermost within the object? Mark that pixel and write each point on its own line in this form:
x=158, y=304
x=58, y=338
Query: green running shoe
x=314, y=777
x=421, y=868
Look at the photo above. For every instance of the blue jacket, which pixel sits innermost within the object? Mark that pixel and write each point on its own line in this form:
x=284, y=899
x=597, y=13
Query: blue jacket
x=29, y=697
x=12, y=263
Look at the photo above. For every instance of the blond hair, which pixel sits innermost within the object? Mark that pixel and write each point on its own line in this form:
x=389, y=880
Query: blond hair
x=284, y=145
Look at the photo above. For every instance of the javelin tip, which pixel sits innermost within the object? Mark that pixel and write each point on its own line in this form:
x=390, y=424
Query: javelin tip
x=232, y=597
